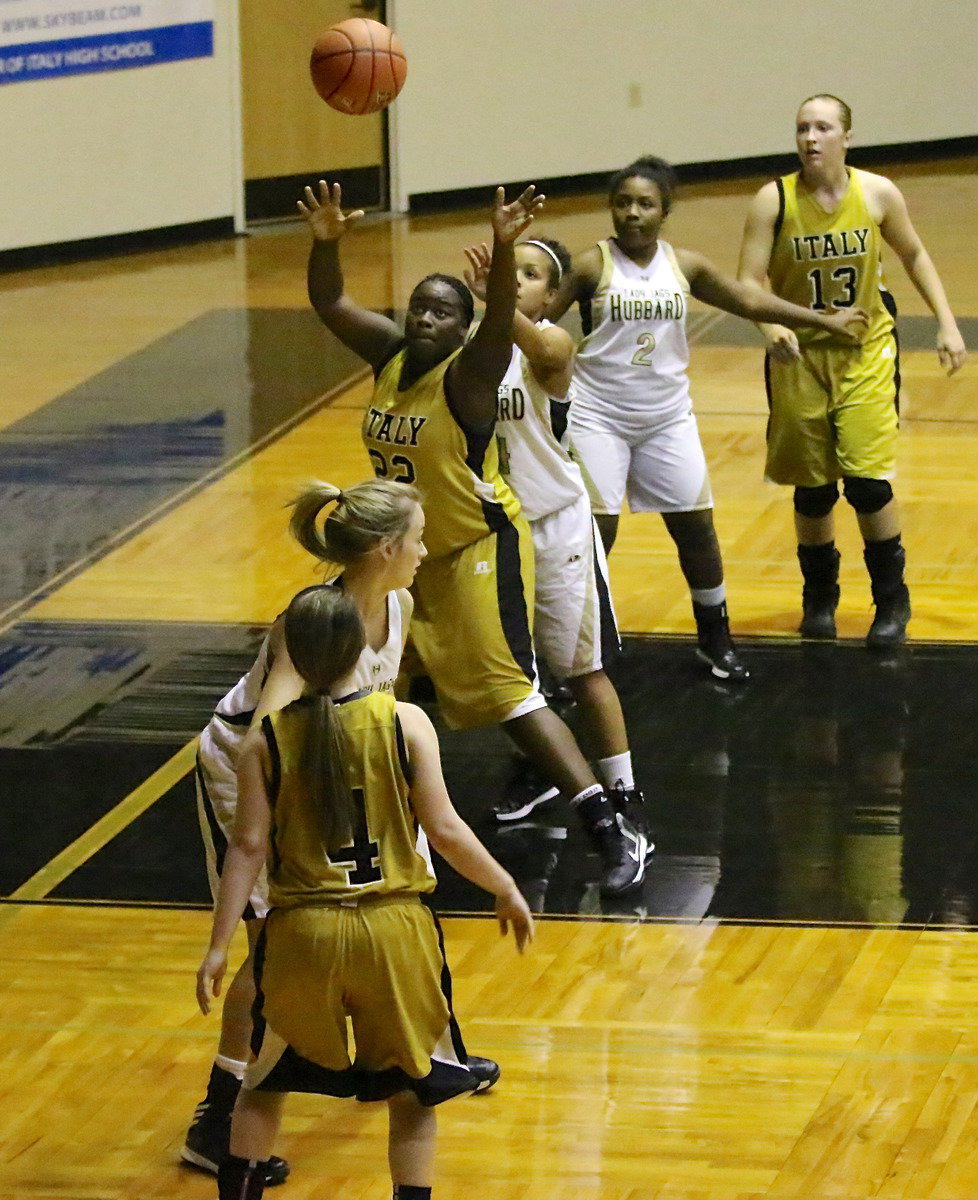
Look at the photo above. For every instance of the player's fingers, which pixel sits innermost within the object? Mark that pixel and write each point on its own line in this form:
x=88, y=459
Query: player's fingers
x=355, y=215
x=335, y=194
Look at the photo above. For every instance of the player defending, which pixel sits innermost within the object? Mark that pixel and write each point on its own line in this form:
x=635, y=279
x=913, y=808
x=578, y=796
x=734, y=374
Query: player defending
x=815, y=237
x=329, y=795
x=632, y=418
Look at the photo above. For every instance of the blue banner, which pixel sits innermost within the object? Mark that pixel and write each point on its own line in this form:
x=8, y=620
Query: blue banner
x=106, y=52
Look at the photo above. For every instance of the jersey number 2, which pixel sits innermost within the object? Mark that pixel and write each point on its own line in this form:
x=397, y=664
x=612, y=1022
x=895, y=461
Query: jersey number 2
x=643, y=355
x=402, y=466
x=360, y=859
x=848, y=277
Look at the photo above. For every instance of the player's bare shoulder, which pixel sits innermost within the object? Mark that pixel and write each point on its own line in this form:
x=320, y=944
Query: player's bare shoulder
x=766, y=202
x=586, y=269
x=881, y=193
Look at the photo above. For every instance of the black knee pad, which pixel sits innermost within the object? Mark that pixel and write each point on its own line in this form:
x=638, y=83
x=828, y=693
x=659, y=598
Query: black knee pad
x=867, y=495
x=816, y=501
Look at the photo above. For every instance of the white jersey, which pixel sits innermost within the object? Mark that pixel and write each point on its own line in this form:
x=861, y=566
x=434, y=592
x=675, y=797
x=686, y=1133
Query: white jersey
x=535, y=457
x=376, y=670
x=632, y=361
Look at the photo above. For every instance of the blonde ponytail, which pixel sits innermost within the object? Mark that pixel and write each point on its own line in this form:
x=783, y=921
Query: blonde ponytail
x=363, y=516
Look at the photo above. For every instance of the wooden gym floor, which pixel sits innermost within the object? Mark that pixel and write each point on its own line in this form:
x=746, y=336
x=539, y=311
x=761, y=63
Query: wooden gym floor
x=787, y=1007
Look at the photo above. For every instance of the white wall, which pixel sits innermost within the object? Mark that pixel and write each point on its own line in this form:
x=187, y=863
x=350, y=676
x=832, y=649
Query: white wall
x=122, y=151
x=508, y=89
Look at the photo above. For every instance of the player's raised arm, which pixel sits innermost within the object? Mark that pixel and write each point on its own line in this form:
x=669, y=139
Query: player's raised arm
x=476, y=373
x=549, y=349
x=900, y=235
x=373, y=336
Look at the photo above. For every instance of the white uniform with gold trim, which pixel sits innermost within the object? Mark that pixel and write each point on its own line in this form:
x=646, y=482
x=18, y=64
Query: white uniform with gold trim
x=574, y=625
x=632, y=422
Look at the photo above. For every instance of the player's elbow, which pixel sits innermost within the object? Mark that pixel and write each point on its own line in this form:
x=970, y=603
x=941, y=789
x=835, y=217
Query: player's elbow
x=445, y=833
x=250, y=844
x=752, y=295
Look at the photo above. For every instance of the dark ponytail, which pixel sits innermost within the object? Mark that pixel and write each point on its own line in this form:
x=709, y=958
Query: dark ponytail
x=324, y=637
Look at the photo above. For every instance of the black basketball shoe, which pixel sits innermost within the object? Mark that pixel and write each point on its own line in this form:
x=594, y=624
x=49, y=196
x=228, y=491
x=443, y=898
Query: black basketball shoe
x=208, y=1145
x=485, y=1070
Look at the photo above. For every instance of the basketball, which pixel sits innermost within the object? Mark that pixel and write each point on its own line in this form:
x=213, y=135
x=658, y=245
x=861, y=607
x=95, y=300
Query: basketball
x=358, y=66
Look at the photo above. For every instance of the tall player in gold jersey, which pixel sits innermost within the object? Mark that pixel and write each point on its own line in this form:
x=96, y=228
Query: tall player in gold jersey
x=815, y=237
x=431, y=423
x=331, y=793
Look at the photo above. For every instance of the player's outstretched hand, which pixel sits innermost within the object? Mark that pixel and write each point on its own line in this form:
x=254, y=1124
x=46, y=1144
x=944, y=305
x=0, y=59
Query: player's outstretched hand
x=512, y=909
x=477, y=273
x=852, y=323
x=324, y=213
x=782, y=344
x=510, y=220
x=951, y=349
x=210, y=975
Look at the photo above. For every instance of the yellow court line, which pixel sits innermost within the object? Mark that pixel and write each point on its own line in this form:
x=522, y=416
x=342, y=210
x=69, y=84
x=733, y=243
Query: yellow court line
x=42, y=882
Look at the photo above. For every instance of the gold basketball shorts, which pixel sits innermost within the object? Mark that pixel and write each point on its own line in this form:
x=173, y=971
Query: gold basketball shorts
x=833, y=414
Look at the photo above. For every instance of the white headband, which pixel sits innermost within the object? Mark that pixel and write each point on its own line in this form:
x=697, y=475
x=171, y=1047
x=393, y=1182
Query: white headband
x=546, y=248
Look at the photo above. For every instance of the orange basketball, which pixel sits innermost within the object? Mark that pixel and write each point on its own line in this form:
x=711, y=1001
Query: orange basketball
x=358, y=66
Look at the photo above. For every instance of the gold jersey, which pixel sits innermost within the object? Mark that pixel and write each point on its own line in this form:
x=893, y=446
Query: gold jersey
x=412, y=437
x=380, y=857
x=830, y=260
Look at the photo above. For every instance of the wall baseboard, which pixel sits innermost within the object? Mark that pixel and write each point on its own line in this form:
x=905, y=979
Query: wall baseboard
x=267, y=199
x=26, y=257
x=700, y=172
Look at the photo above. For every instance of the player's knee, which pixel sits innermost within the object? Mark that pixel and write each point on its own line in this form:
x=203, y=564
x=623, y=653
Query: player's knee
x=816, y=502
x=867, y=495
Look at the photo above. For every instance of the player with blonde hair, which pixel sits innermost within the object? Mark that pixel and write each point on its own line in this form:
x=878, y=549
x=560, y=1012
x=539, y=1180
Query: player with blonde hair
x=815, y=237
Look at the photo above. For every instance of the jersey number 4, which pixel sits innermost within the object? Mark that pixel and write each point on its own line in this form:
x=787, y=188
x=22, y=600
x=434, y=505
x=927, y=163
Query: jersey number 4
x=400, y=465
x=846, y=275
x=360, y=859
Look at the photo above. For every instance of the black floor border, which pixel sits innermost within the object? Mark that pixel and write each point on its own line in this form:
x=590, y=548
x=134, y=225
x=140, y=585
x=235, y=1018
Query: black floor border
x=702, y=172
x=635, y=919
x=577, y=918
x=61, y=902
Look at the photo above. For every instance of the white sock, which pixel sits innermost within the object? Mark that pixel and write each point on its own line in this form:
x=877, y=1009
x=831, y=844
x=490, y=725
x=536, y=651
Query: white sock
x=231, y=1065
x=594, y=790
x=616, y=771
x=709, y=597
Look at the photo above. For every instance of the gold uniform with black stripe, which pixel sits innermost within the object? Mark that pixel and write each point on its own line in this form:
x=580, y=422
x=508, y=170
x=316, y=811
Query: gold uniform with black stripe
x=347, y=935
x=474, y=592
x=833, y=412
